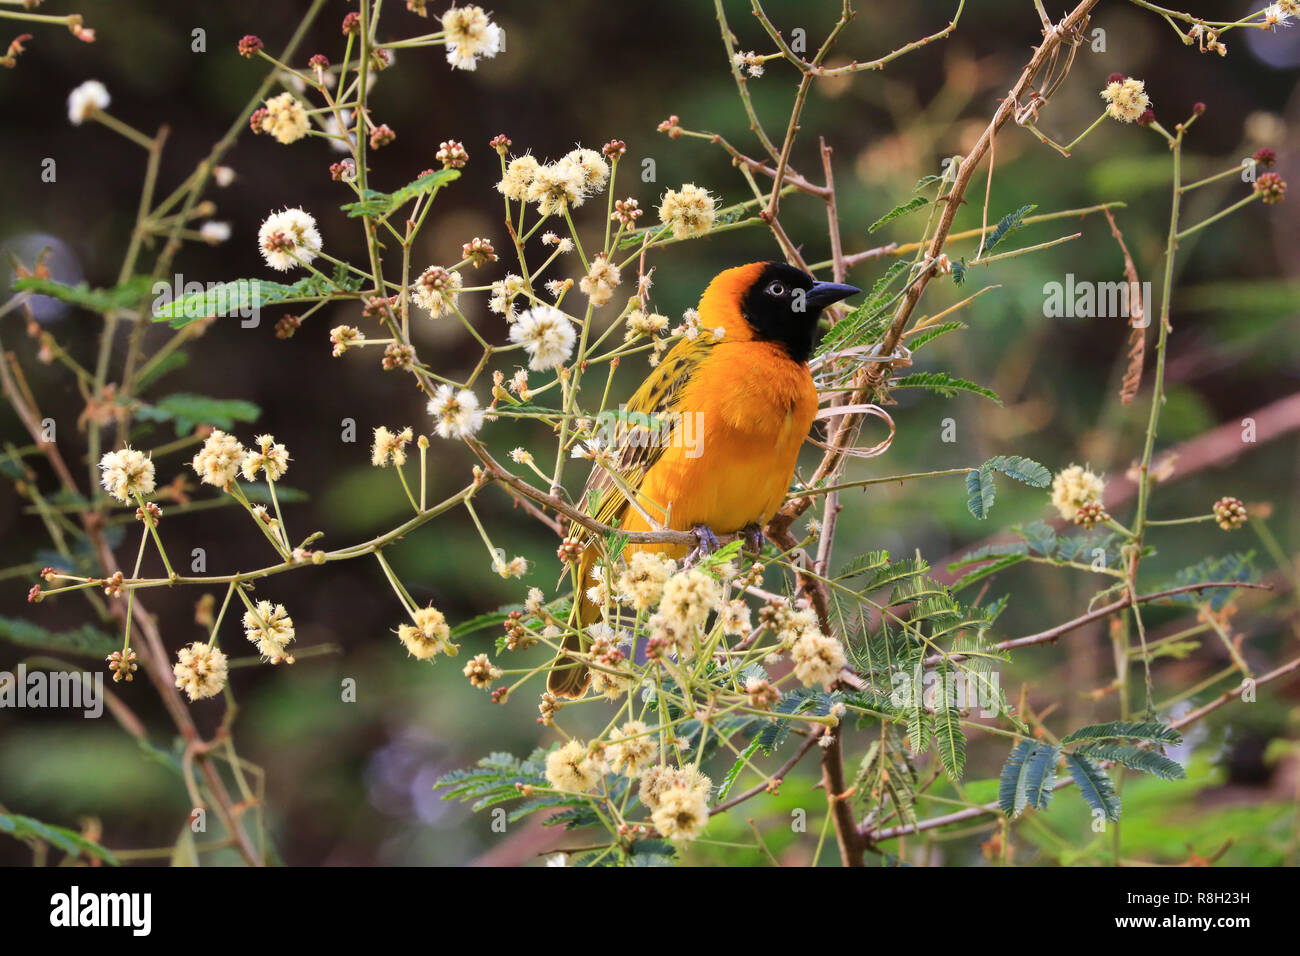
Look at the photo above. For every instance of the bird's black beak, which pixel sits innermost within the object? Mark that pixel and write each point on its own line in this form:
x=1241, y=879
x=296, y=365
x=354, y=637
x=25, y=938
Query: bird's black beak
x=823, y=294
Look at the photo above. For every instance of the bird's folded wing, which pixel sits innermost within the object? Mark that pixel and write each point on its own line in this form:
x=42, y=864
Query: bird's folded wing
x=643, y=430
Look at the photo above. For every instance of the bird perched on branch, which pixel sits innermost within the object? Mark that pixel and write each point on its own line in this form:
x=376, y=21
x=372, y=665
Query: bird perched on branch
x=709, y=441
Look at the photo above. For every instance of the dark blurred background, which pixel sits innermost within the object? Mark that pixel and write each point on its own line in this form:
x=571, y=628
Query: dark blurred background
x=351, y=783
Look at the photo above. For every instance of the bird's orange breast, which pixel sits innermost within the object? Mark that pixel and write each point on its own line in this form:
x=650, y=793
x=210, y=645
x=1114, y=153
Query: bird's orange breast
x=745, y=414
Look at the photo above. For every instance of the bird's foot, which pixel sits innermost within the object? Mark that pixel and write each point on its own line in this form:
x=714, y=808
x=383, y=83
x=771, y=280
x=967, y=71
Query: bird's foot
x=707, y=543
x=755, y=540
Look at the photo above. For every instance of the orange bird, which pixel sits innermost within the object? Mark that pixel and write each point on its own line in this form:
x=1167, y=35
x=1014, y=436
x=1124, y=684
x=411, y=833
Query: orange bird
x=733, y=410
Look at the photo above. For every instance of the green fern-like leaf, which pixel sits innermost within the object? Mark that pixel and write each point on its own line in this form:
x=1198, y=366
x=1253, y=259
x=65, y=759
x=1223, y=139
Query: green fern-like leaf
x=980, y=492
x=902, y=209
x=1135, y=758
x=1095, y=785
x=1021, y=469
x=1121, y=729
x=944, y=384
x=1028, y=777
x=948, y=735
x=1006, y=226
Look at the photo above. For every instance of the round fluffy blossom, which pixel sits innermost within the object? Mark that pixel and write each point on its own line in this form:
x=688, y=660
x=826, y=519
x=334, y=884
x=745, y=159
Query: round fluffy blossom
x=595, y=170
x=429, y=636
x=735, y=618
x=546, y=335
x=285, y=119
x=690, y=211
x=470, y=35
x=600, y=281
x=649, y=324
x=200, y=670
x=390, y=447
x=1075, y=487
x=572, y=768
x=270, y=627
x=657, y=780
x=127, y=473
x=1126, y=99
x=219, y=460
x=1229, y=513
x=271, y=459
x=481, y=671
x=688, y=598
x=518, y=177
x=558, y=185
x=87, y=100
x=682, y=814
x=817, y=659
x=631, y=748
x=457, y=412
x=436, y=290
x=641, y=584
x=288, y=238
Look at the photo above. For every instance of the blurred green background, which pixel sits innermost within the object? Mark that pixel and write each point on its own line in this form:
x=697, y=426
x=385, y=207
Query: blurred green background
x=351, y=783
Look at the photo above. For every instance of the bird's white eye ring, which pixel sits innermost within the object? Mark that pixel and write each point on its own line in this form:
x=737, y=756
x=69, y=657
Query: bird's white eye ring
x=775, y=288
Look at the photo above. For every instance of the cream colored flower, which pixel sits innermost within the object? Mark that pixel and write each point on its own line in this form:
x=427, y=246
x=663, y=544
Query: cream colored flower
x=471, y=35
x=127, y=473
x=735, y=618
x=390, y=447
x=200, y=670
x=270, y=628
x=600, y=281
x=682, y=814
x=571, y=768
x=547, y=336
x=817, y=659
x=87, y=100
x=610, y=685
x=1075, y=487
x=271, y=459
x=690, y=211
x=595, y=170
x=288, y=238
x=641, y=584
x=219, y=460
x=557, y=186
x=644, y=323
x=518, y=177
x=457, y=412
x=631, y=748
x=429, y=637
x=504, y=292
x=658, y=779
x=286, y=119
x=1126, y=100
x=437, y=290
x=688, y=598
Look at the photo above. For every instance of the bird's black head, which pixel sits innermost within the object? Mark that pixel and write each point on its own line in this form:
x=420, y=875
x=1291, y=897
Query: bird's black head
x=782, y=304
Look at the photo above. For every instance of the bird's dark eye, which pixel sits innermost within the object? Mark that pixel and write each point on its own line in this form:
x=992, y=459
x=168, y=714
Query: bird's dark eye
x=775, y=289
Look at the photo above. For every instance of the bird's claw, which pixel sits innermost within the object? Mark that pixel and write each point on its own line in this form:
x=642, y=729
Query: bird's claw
x=754, y=539
x=707, y=543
